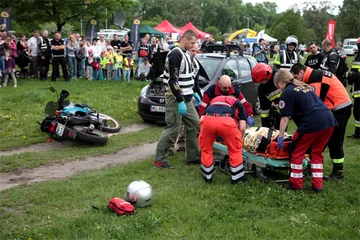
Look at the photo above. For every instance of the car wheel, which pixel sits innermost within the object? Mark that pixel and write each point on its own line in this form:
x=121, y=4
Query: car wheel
x=256, y=107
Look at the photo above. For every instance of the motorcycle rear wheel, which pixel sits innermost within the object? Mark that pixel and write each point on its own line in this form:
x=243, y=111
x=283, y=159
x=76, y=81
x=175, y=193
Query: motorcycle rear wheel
x=91, y=136
x=111, y=125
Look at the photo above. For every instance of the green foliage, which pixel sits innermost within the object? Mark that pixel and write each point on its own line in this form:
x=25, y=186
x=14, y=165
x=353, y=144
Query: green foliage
x=52, y=28
x=212, y=30
x=349, y=20
x=257, y=27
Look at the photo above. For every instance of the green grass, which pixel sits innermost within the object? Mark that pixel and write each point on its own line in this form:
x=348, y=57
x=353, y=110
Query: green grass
x=116, y=143
x=22, y=107
x=184, y=206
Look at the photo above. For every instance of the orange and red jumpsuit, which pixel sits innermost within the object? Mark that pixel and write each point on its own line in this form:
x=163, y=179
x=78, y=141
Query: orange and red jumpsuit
x=221, y=117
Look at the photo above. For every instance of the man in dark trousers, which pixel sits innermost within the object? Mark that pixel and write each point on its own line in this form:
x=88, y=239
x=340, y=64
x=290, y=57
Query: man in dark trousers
x=354, y=80
x=315, y=58
x=58, y=57
x=44, y=55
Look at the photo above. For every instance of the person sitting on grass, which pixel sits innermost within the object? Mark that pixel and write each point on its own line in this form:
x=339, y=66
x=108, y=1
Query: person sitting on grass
x=144, y=70
x=128, y=65
x=9, y=68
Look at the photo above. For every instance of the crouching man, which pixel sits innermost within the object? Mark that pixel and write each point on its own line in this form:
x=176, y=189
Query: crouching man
x=224, y=116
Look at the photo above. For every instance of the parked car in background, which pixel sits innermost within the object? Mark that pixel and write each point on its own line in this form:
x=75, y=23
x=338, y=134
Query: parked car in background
x=216, y=61
x=349, y=50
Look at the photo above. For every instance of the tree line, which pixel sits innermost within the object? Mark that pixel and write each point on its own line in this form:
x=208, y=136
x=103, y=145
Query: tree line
x=307, y=21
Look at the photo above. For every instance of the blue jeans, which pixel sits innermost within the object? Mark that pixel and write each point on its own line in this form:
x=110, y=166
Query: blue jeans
x=81, y=68
x=127, y=75
x=72, y=64
x=117, y=74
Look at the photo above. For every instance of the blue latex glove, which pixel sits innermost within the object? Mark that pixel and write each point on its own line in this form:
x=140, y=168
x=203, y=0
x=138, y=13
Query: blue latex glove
x=280, y=142
x=251, y=121
x=182, y=108
x=197, y=98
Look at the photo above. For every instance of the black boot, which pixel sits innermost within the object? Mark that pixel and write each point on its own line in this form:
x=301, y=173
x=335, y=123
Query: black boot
x=337, y=173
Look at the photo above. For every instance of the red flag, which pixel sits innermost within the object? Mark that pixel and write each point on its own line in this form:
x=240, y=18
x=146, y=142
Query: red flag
x=331, y=32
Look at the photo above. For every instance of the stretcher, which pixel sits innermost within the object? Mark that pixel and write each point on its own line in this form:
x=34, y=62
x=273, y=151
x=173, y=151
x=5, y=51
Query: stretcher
x=253, y=163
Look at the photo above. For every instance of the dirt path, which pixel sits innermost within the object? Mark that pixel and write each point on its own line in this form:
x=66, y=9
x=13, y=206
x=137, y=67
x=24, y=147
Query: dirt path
x=57, y=171
x=54, y=145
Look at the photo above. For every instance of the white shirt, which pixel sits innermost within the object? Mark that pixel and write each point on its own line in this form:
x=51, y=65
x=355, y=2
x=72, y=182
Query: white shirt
x=144, y=68
x=32, y=43
x=102, y=45
x=96, y=50
x=165, y=47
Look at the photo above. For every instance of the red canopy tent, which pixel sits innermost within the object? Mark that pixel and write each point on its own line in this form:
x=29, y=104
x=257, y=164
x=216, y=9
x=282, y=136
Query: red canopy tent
x=166, y=27
x=190, y=26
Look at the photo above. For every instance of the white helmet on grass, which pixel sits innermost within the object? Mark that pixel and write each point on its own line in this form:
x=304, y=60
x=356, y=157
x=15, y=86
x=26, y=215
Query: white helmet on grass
x=139, y=193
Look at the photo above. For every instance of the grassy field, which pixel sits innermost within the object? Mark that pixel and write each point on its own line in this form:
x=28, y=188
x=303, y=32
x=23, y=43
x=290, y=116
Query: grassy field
x=22, y=107
x=184, y=207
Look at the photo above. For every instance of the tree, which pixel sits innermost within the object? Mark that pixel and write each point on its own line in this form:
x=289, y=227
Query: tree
x=61, y=12
x=52, y=28
x=349, y=21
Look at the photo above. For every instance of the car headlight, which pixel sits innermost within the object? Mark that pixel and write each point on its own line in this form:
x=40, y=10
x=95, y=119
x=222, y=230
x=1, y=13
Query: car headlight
x=143, y=91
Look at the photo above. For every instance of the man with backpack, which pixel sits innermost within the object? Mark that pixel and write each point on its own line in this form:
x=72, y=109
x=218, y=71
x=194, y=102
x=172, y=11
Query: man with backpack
x=260, y=52
x=333, y=62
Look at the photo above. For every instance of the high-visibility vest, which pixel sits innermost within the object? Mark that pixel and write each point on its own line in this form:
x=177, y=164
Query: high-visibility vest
x=186, y=77
x=328, y=88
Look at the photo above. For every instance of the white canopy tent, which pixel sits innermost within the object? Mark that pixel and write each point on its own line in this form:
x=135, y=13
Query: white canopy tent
x=265, y=36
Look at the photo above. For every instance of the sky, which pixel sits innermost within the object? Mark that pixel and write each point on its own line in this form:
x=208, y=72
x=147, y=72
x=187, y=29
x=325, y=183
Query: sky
x=283, y=5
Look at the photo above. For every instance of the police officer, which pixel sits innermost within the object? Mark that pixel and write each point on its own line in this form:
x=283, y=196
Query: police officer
x=354, y=80
x=178, y=103
x=44, y=54
x=334, y=95
x=268, y=94
x=286, y=58
x=314, y=122
x=224, y=87
x=225, y=116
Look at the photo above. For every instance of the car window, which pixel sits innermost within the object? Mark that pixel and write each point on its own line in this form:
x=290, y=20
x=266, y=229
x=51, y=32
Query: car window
x=230, y=68
x=252, y=61
x=349, y=47
x=245, y=69
x=210, y=66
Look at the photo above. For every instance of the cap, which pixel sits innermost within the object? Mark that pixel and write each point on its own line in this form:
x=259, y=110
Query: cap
x=129, y=55
x=102, y=53
x=90, y=51
x=207, y=36
x=108, y=47
x=146, y=59
x=115, y=47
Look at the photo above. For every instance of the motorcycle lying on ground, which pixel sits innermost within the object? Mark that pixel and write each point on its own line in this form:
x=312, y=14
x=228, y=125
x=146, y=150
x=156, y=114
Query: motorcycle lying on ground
x=65, y=120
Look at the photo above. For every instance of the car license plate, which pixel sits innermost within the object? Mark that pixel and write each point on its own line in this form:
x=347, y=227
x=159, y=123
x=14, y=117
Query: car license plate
x=60, y=129
x=157, y=109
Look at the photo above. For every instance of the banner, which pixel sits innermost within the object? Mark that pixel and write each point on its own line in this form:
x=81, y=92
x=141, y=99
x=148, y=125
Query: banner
x=6, y=17
x=135, y=32
x=119, y=19
x=91, y=29
x=331, y=32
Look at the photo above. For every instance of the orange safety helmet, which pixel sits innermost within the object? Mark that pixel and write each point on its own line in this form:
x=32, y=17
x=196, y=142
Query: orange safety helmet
x=260, y=72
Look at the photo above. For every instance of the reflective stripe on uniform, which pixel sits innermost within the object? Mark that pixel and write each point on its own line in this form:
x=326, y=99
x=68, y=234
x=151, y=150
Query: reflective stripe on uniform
x=317, y=175
x=356, y=94
x=237, y=172
x=243, y=100
x=317, y=166
x=187, y=91
x=203, y=104
x=274, y=95
x=207, y=172
x=357, y=123
x=340, y=160
x=264, y=115
x=296, y=175
x=342, y=105
x=221, y=103
x=296, y=166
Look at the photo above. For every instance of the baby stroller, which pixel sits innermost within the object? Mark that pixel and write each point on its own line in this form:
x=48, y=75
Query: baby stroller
x=24, y=63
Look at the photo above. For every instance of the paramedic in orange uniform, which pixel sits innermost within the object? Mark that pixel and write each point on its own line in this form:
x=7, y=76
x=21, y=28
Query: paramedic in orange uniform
x=334, y=95
x=224, y=116
x=315, y=124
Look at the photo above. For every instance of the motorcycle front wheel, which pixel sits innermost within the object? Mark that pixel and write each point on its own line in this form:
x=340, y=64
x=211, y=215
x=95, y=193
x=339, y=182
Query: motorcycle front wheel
x=90, y=136
x=111, y=125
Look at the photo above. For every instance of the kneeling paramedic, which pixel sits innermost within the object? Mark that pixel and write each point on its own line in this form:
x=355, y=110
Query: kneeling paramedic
x=315, y=124
x=224, y=116
x=334, y=95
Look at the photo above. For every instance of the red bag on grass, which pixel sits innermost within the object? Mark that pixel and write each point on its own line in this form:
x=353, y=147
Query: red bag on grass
x=120, y=206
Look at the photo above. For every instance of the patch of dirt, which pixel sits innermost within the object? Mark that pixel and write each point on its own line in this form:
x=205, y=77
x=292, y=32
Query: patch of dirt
x=57, y=171
x=41, y=147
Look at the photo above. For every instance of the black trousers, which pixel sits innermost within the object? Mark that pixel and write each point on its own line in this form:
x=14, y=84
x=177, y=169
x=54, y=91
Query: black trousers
x=336, y=141
x=44, y=66
x=55, y=73
x=357, y=115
